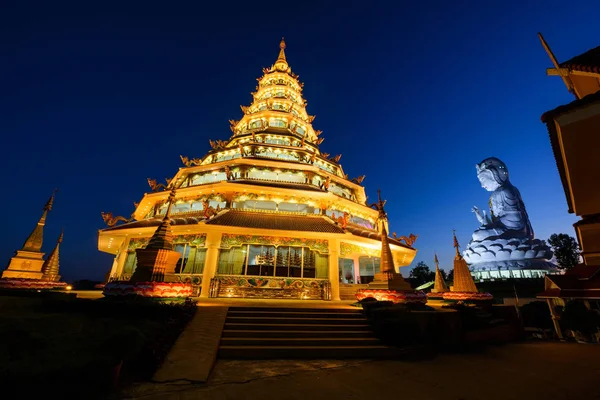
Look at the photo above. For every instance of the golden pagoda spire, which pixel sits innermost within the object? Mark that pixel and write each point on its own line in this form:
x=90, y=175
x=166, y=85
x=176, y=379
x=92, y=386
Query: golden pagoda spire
x=463, y=281
x=51, y=265
x=386, y=262
x=282, y=51
x=456, y=245
x=440, y=285
x=163, y=237
x=35, y=239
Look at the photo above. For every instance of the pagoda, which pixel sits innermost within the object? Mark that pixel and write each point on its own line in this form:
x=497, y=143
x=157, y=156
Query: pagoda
x=388, y=284
x=439, y=286
x=27, y=268
x=264, y=214
x=463, y=288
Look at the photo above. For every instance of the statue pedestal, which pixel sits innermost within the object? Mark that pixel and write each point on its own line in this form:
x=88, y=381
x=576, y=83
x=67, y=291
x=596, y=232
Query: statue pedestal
x=25, y=265
x=155, y=265
x=390, y=286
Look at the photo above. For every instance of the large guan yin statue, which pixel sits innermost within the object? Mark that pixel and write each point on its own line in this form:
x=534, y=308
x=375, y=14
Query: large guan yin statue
x=504, y=245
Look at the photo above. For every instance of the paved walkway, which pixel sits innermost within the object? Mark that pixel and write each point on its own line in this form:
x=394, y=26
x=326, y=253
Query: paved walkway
x=549, y=371
x=192, y=357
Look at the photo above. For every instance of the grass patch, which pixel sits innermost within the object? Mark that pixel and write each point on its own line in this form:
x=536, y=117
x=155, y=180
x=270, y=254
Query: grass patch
x=76, y=346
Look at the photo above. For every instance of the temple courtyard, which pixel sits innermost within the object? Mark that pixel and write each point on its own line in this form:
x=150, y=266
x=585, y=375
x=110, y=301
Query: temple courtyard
x=541, y=370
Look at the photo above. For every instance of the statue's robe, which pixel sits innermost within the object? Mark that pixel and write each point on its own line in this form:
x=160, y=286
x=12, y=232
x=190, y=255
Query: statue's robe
x=509, y=213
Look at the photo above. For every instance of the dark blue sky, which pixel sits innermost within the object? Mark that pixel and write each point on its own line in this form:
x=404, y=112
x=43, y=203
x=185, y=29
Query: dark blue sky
x=96, y=98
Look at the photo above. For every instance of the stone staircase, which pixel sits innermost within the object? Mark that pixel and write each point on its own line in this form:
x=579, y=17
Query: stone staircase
x=291, y=333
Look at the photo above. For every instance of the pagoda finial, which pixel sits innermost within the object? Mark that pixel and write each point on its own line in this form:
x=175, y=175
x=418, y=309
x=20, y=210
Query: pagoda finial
x=456, y=245
x=163, y=238
x=439, y=285
x=382, y=218
x=51, y=265
x=386, y=262
x=36, y=238
x=282, y=50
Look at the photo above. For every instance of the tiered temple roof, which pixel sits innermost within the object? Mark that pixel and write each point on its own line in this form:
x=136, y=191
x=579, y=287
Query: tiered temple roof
x=268, y=180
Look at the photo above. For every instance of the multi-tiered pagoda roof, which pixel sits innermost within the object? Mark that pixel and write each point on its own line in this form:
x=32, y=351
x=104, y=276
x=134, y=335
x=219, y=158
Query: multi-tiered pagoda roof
x=270, y=176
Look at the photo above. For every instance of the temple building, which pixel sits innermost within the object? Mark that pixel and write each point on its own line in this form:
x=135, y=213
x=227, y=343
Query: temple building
x=264, y=214
x=573, y=130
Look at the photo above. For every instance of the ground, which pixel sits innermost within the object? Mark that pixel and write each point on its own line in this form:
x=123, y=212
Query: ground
x=542, y=370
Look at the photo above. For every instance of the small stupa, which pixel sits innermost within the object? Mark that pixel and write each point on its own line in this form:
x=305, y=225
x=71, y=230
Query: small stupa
x=27, y=268
x=51, y=266
x=439, y=286
x=27, y=262
x=463, y=288
x=157, y=261
x=388, y=285
x=154, y=276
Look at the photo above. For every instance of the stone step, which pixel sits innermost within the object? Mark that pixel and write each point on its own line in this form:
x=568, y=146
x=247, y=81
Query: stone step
x=249, y=333
x=293, y=314
x=299, y=310
x=300, y=342
x=292, y=320
x=313, y=352
x=296, y=327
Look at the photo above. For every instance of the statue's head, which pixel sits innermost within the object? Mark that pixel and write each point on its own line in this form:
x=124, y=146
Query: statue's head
x=492, y=173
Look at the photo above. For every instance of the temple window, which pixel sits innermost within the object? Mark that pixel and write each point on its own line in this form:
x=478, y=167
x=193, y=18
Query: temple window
x=255, y=124
x=278, y=106
x=260, y=205
x=191, y=260
x=180, y=207
x=296, y=207
x=130, y=263
x=280, y=93
x=285, y=142
x=278, y=123
x=269, y=260
x=362, y=222
x=294, y=113
x=346, y=270
x=232, y=261
x=368, y=267
x=300, y=130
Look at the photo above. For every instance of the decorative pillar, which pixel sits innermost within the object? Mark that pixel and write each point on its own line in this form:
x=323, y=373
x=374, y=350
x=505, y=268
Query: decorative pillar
x=555, y=320
x=334, y=269
x=356, y=262
x=213, y=243
x=120, y=258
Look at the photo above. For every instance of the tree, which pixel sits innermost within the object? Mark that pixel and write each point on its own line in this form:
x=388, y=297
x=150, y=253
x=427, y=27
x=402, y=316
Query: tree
x=566, y=250
x=421, y=274
x=450, y=277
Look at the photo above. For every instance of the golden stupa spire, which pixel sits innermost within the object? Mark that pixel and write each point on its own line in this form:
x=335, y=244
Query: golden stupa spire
x=456, y=245
x=282, y=51
x=463, y=281
x=35, y=239
x=440, y=285
x=163, y=237
x=386, y=262
x=51, y=265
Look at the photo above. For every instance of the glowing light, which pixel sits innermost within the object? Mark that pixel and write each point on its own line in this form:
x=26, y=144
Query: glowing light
x=68, y=287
